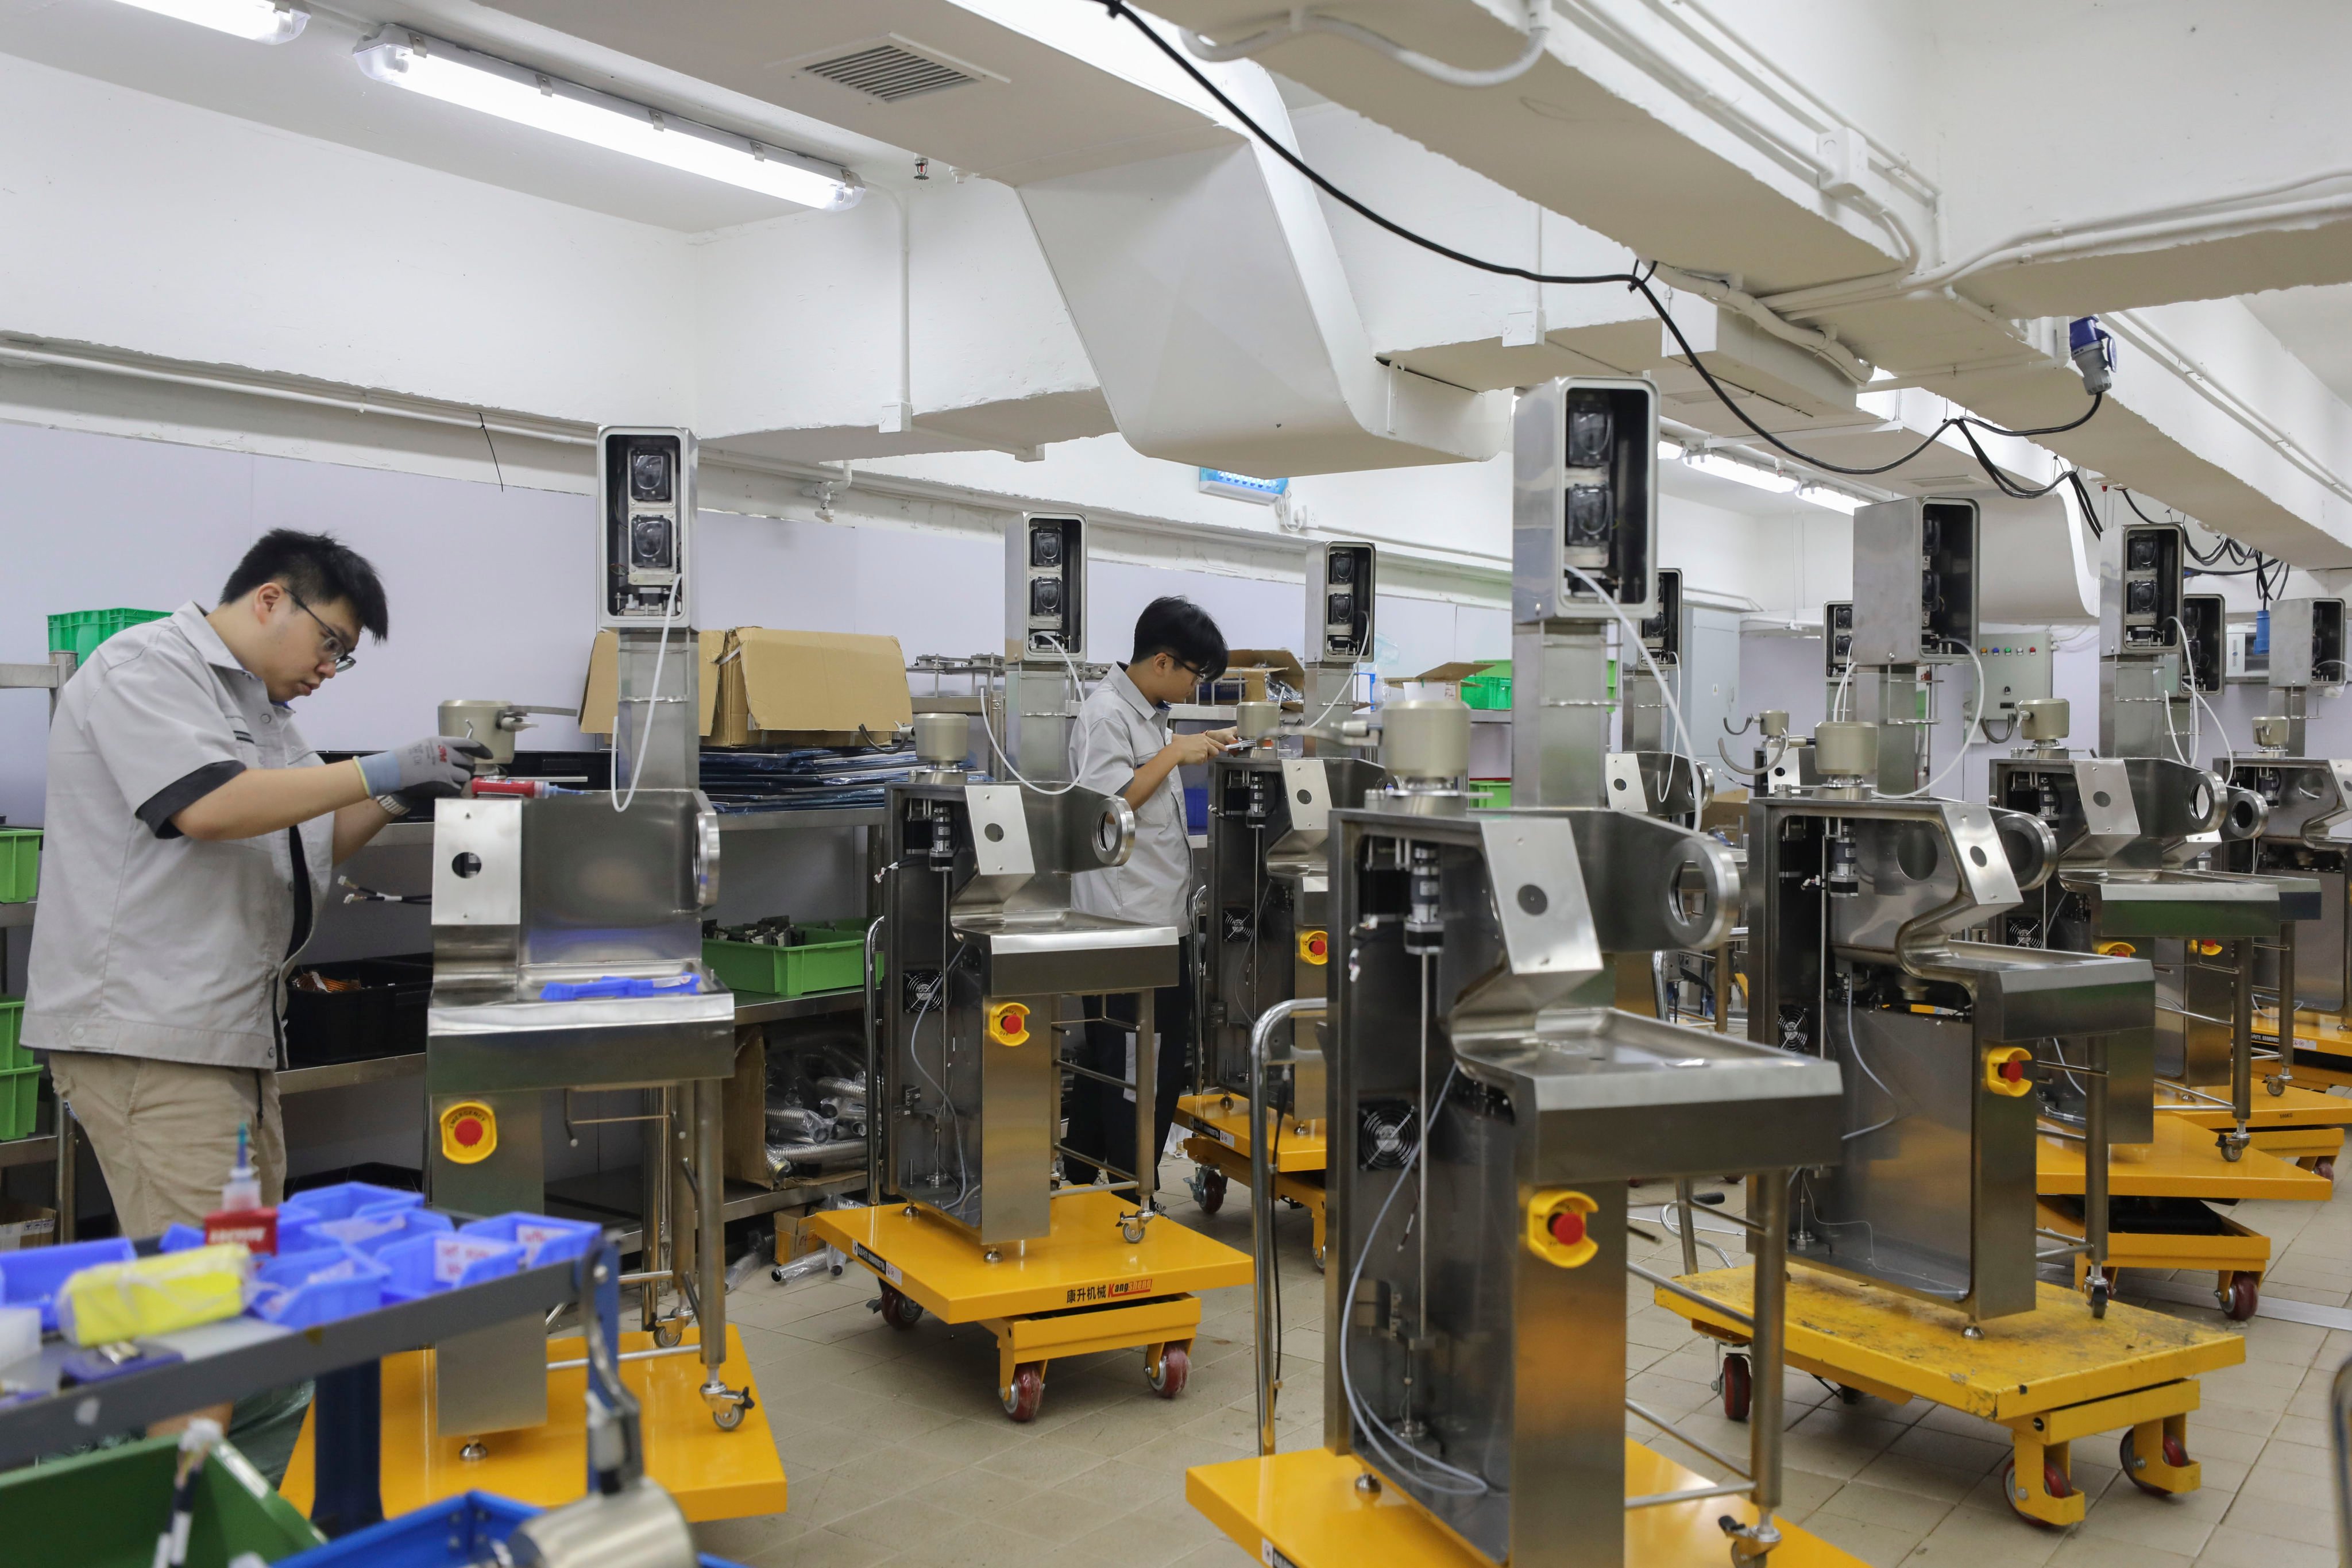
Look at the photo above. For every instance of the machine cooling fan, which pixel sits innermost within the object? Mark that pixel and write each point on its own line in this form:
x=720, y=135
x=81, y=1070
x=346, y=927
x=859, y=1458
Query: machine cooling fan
x=1386, y=1133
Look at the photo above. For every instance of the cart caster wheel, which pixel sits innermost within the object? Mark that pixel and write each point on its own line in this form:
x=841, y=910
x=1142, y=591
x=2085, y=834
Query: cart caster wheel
x=2232, y=1153
x=899, y=1310
x=1209, y=1191
x=1130, y=1230
x=2324, y=1169
x=1027, y=1393
x=728, y=1416
x=2054, y=1481
x=1737, y=1384
x=1848, y=1395
x=1175, y=1365
x=667, y=1332
x=2174, y=1455
x=2277, y=1086
x=2242, y=1296
x=1319, y=1254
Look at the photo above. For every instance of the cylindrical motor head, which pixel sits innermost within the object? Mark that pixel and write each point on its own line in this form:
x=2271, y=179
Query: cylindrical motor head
x=1773, y=722
x=942, y=740
x=484, y=720
x=1425, y=738
x=1256, y=720
x=2045, y=719
x=2270, y=730
x=1842, y=750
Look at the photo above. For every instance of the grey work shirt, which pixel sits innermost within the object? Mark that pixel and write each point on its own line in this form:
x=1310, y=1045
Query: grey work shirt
x=1119, y=730
x=149, y=943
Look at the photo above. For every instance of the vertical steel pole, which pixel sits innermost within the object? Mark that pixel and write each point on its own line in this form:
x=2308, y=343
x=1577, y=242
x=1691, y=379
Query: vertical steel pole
x=2286, y=982
x=1147, y=1085
x=1687, y=1216
x=2241, y=1039
x=653, y=1228
x=710, y=1227
x=2095, y=1171
x=1767, y=1353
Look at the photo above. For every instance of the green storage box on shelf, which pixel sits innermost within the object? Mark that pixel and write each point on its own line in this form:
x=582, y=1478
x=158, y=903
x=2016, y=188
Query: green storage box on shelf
x=20, y=1098
x=78, y=632
x=834, y=963
x=1490, y=688
x=104, y=1509
x=12, y=1030
x=20, y=864
x=1490, y=794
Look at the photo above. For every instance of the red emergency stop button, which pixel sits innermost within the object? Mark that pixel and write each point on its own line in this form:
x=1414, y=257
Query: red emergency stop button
x=2009, y=1069
x=1559, y=1228
x=1314, y=946
x=469, y=1133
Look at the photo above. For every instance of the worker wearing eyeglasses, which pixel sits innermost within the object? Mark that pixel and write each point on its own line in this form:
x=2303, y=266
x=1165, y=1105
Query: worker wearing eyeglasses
x=191, y=835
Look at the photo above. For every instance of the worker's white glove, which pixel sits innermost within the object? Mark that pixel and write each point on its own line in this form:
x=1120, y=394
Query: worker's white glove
x=437, y=760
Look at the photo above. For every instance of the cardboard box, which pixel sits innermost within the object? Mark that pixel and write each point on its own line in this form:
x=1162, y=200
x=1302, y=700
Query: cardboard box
x=767, y=688
x=1252, y=666
x=811, y=688
x=26, y=1224
x=743, y=1111
x=1452, y=674
x=597, y=699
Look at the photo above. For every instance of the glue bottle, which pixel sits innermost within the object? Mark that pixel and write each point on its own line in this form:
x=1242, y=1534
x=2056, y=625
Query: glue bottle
x=241, y=1219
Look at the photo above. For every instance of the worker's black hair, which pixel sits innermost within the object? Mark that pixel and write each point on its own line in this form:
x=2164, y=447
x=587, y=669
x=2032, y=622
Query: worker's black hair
x=319, y=569
x=1180, y=628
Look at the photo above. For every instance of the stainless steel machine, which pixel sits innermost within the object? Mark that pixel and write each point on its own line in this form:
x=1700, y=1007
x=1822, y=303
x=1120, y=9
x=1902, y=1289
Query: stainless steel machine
x=1915, y=609
x=983, y=946
x=568, y=957
x=1489, y=1111
x=1857, y=903
x=1650, y=775
x=2135, y=828
x=1342, y=581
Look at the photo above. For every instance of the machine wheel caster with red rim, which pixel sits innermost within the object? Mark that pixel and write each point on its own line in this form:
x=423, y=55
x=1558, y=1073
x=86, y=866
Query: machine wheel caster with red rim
x=899, y=1309
x=1027, y=1393
x=2174, y=1455
x=2054, y=1481
x=1211, y=1194
x=1175, y=1366
x=2241, y=1297
x=1738, y=1385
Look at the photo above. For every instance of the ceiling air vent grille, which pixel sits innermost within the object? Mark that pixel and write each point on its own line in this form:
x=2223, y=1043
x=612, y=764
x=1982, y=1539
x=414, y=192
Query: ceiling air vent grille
x=890, y=73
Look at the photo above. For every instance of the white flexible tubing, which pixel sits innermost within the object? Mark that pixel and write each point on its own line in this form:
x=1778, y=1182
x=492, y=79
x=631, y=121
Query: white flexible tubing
x=1837, y=698
x=1077, y=693
x=1300, y=20
x=1666, y=689
x=2219, y=729
x=652, y=705
x=1960, y=751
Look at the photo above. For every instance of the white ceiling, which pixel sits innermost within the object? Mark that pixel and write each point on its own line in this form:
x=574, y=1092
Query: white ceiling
x=2315, y=324
x=310, y=87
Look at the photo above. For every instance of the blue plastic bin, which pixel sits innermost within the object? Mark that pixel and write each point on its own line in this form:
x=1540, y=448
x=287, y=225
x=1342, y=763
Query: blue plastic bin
x=452, y=1533
x=444, y=1260
x=347, y=1198
x=370, y=1231
x=297, y=1289
x=541, y=1239
x=31, y=1277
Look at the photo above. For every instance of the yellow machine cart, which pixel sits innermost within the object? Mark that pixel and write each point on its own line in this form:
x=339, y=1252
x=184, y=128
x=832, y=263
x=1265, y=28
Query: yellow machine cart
x=1081, y=1290
x=2051, y=1375
x=1220, y=1146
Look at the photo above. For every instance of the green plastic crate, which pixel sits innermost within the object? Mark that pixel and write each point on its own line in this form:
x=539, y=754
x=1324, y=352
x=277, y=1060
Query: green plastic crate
x=20, y=864
x=1490, y=794
x=803, y=971
x=12, y=1028
x=1490, y=688
x=19, y=1095
x=104, y=1509
x=78, y=632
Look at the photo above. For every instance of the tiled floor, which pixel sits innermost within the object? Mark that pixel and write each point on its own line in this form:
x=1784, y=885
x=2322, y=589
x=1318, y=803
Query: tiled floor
x=897, y=1451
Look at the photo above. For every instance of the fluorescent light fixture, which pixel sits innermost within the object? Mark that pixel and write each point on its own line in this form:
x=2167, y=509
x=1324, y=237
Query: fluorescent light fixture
x=1742, y=473
x=1836, y=500
x=263, y=21
x=400, y=57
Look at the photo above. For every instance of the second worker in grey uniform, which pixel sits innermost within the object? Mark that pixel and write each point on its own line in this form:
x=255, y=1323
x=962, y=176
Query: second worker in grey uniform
x=1124, y=747
x=191, y=834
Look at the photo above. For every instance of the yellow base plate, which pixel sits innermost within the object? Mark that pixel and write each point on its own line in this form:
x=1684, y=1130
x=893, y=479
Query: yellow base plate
x=2182, y=1163
x=1305, y=1505
x=1084, y=1262
x=2055, y=1355
x=2292, y=1107
x=2236, y=1250
x=712, y=1474
x=1226, y=1119
x=1303, y=1188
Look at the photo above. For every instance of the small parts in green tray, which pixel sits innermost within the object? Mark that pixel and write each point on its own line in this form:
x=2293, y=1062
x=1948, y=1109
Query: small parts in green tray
x=781, y=957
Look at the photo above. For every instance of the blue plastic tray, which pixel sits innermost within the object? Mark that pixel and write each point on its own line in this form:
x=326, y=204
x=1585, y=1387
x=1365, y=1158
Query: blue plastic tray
x=31, y=1277
x=416, y=1267
x=370, y=1231
x=452, y=1532
x=541, y=1239
x=298, y=1289
x=346, y=1198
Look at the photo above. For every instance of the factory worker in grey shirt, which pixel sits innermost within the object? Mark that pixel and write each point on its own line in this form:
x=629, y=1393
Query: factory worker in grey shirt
x=1123, y=746
x=191, y=835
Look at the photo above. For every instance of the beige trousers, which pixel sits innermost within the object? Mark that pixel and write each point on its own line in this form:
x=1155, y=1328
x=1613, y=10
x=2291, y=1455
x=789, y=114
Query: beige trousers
x=165, y=1133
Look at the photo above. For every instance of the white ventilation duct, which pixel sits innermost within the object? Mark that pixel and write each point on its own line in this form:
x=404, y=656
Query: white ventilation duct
x=2034, y=564
x=1209, y=298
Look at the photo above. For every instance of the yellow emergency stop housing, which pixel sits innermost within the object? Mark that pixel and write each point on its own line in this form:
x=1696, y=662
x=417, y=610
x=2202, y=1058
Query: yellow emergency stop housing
x=1549, y=1207
x=2009, y=1069
x=2115, y=949
x=1008, y=1023
x=1314, y=946
x=469, y=1133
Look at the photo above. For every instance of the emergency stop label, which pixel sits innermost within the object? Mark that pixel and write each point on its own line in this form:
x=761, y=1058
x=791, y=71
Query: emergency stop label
x=1086, y=1295
x=867, y=1256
